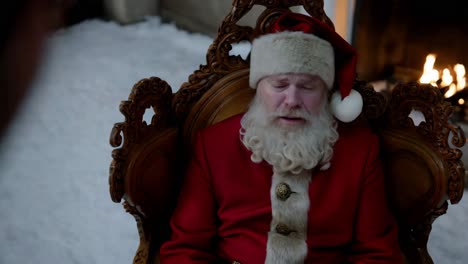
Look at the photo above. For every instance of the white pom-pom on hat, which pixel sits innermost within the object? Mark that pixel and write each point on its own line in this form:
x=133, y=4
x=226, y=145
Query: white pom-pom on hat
x=346, y=109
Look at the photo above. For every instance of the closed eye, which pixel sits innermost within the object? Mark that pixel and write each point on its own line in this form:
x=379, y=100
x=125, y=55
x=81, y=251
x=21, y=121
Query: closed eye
x=279, y=85
x=309, y=87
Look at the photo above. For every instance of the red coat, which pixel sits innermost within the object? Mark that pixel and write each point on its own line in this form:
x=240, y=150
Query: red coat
x=224, y=210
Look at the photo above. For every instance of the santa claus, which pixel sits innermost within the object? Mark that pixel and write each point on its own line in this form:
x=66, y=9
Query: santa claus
x=293, y=180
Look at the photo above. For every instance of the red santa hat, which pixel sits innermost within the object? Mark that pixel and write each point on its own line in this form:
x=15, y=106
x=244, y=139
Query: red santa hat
x=302, y=44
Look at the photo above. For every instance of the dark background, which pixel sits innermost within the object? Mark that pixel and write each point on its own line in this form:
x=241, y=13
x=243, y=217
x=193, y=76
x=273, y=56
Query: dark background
x=400, y=33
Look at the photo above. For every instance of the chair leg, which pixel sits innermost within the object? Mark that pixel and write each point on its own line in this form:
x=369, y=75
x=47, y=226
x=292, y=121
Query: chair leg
x=142, y=253
x=414, y=239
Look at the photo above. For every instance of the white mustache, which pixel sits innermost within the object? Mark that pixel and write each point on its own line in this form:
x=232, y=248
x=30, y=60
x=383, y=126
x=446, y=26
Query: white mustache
x=290, y=114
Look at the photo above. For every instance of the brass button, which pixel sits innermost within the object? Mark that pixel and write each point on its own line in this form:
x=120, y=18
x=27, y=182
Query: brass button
x=283, y=191
x=283, y=229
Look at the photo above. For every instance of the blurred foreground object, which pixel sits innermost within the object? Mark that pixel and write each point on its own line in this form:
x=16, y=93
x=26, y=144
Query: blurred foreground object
x=25, y=25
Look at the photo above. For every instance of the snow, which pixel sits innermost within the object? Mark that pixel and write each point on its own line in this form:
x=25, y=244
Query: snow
x=54, y=201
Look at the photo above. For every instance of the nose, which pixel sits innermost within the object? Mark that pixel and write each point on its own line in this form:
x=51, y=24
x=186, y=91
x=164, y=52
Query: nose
x=292, y=99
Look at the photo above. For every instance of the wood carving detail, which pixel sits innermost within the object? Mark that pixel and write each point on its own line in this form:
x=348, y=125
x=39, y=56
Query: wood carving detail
x=152, y=92
x=375, y=104
x=436, y=128
x=143, y=248
x=414, y=244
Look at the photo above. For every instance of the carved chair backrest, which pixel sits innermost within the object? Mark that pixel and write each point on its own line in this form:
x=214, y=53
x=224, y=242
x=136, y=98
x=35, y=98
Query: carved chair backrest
x=422, y=171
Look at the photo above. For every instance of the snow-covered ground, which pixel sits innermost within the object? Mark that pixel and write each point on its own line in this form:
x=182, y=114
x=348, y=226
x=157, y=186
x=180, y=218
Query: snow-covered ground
x=54, y=200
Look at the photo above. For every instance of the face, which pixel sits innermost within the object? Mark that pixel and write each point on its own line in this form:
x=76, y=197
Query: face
x=288, y=95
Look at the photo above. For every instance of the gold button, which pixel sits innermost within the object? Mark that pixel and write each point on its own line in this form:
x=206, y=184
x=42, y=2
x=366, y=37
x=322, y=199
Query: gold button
x=283, y=229
x=283, y=191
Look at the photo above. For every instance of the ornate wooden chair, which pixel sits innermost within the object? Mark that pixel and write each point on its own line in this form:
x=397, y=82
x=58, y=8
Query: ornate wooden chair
x=423, y=171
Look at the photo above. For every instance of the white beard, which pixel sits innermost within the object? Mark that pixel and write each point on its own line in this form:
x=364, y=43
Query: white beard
x=289, y=149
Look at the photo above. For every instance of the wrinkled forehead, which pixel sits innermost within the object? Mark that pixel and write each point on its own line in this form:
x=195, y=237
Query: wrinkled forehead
x=303, y=77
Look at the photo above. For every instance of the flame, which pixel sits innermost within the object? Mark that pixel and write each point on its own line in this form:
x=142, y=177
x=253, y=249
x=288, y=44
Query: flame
x=461, y=101
x=451, y=91
x=461, y=80
x=447, y=78
x=432, y=76
x=428, y=72
x=430, y=61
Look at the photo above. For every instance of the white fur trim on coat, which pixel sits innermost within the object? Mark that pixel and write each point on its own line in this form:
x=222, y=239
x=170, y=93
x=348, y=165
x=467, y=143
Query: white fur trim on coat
x=293, y=212
x=291, y=52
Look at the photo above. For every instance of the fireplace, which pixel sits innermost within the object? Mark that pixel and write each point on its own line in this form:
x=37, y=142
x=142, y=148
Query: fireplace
x=395, y=37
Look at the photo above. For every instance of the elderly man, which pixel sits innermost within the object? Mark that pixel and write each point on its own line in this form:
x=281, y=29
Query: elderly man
x=293, y=180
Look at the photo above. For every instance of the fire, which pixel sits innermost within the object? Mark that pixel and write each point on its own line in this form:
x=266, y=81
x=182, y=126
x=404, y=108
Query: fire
x=447, y=78
x=451, y=91
x=432, y=76
x=461, y=80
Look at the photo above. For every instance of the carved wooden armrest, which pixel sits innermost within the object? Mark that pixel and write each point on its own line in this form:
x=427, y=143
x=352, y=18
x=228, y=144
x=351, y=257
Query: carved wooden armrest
x=143, y=171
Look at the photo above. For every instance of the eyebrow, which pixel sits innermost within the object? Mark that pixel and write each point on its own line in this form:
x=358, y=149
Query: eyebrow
x=279, y=79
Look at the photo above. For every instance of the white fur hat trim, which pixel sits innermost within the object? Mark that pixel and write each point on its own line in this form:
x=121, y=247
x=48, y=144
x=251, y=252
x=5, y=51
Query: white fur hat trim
x=291, y=52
